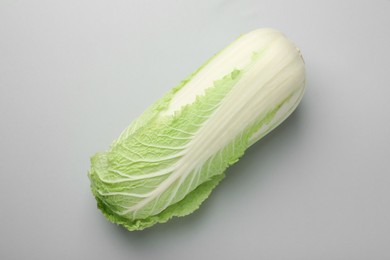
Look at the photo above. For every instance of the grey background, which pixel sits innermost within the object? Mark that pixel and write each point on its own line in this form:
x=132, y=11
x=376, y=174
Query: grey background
x=73, y=74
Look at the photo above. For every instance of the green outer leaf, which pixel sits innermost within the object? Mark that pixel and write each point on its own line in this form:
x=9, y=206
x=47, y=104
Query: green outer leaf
x=150, y=141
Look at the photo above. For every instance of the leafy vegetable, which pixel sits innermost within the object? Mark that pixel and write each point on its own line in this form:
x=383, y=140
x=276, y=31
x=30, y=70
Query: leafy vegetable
x=167, y=162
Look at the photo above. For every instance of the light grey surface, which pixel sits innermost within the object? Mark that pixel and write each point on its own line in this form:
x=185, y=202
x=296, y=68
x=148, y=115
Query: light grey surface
x=73, y=74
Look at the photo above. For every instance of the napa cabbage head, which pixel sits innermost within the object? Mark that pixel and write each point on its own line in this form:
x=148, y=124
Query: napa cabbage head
x=167, y=162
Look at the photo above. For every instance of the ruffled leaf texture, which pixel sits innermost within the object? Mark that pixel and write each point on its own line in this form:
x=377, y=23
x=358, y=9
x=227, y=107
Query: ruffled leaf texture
x=148, y=154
